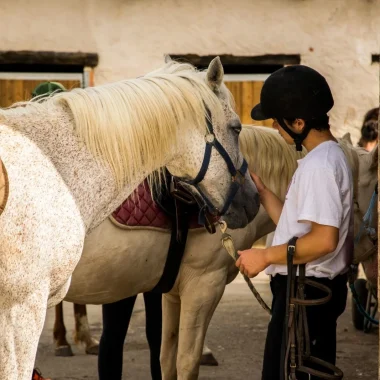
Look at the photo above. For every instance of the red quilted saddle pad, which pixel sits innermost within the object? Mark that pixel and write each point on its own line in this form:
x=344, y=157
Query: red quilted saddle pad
x=139, y=210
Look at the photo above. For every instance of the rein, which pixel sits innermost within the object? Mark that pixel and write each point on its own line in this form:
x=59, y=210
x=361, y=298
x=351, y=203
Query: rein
x=296, y=350
x=228, y=244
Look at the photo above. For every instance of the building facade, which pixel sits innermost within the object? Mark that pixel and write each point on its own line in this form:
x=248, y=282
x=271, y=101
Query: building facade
x=339, y=38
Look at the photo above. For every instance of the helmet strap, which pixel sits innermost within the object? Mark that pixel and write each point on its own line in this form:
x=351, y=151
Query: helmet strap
x=297, y=137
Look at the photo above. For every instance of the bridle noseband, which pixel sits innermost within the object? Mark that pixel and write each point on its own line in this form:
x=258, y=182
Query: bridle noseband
x=237, y=177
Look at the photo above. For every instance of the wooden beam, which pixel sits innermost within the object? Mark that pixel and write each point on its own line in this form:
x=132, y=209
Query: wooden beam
x=375, y=58
x=227, y=60
x=51, y=58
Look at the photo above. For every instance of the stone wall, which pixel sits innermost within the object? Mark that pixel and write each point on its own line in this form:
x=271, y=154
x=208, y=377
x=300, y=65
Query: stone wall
x=336, y=37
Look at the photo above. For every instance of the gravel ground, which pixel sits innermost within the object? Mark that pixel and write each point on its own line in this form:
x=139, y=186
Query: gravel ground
x=236, y=336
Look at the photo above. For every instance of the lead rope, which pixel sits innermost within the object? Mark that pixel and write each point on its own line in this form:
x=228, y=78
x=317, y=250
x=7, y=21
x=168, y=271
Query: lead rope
x=228, y=244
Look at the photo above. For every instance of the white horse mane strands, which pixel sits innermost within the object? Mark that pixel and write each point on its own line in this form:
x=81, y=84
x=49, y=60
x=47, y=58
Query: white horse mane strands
x=268, y=154
x=123, y=122
x=271, y=156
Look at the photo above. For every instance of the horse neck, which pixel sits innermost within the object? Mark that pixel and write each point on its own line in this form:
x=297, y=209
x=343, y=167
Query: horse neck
x=276, y=183
x=91, y=183
x=272, y=159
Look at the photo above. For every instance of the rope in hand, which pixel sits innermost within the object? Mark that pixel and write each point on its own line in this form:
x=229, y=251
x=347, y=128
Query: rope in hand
x=228, y=244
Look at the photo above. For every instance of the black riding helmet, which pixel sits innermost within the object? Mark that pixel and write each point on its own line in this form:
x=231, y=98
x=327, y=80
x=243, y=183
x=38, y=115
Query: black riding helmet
x=295, y=92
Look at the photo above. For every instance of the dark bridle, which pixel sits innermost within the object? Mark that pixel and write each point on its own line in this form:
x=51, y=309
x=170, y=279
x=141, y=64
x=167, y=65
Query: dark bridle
x=237, y=180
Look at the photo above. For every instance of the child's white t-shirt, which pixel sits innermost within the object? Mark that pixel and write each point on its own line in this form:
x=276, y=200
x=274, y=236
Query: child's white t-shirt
x=321, y=191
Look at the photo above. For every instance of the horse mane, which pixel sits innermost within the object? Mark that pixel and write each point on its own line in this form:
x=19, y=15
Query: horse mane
x=269, y=156
x=275, y=161
x=133, y=124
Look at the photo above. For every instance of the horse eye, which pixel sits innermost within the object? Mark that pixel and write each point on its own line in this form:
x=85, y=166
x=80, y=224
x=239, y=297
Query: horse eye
x=236, y=127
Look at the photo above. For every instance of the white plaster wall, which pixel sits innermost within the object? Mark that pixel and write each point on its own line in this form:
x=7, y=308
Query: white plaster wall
x=336, y=37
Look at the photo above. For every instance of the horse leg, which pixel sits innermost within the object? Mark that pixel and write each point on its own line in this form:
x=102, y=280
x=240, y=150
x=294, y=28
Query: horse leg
x=62, y=347
x=198, y=302
x=82, y=330
x=21, y=324
x=171, y=309
x=208, y=358
x=116, y=318
x=153, y=316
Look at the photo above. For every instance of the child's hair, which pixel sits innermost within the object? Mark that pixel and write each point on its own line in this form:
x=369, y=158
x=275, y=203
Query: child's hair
x=372, y=114
x=369, y=132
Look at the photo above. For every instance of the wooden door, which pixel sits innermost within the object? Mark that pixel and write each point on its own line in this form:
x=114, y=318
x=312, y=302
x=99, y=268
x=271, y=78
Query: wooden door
x=247, y=95
x=17, y=90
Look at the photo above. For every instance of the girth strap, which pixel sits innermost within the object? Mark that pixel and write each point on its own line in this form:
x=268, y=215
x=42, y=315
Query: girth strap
x=178, y=238
x=296, y=345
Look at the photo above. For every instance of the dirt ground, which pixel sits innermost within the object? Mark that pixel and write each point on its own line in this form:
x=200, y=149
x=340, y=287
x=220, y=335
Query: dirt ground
x=236, y=336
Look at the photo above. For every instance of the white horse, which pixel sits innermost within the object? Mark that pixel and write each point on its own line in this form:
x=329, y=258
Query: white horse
x=72, y=159
x=206, y=267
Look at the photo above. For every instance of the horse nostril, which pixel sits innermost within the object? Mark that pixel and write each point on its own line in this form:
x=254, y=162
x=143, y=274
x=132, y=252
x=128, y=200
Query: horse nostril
x=236, y=126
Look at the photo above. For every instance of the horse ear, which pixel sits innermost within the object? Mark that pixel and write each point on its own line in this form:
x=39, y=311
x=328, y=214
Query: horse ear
x=347, y=137
x=215, y=74
x=167, y=58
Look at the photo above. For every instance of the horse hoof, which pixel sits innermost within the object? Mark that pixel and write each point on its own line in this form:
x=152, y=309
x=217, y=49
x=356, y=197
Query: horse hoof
x=209, y=360
x=64, y=351
x=93, y=350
